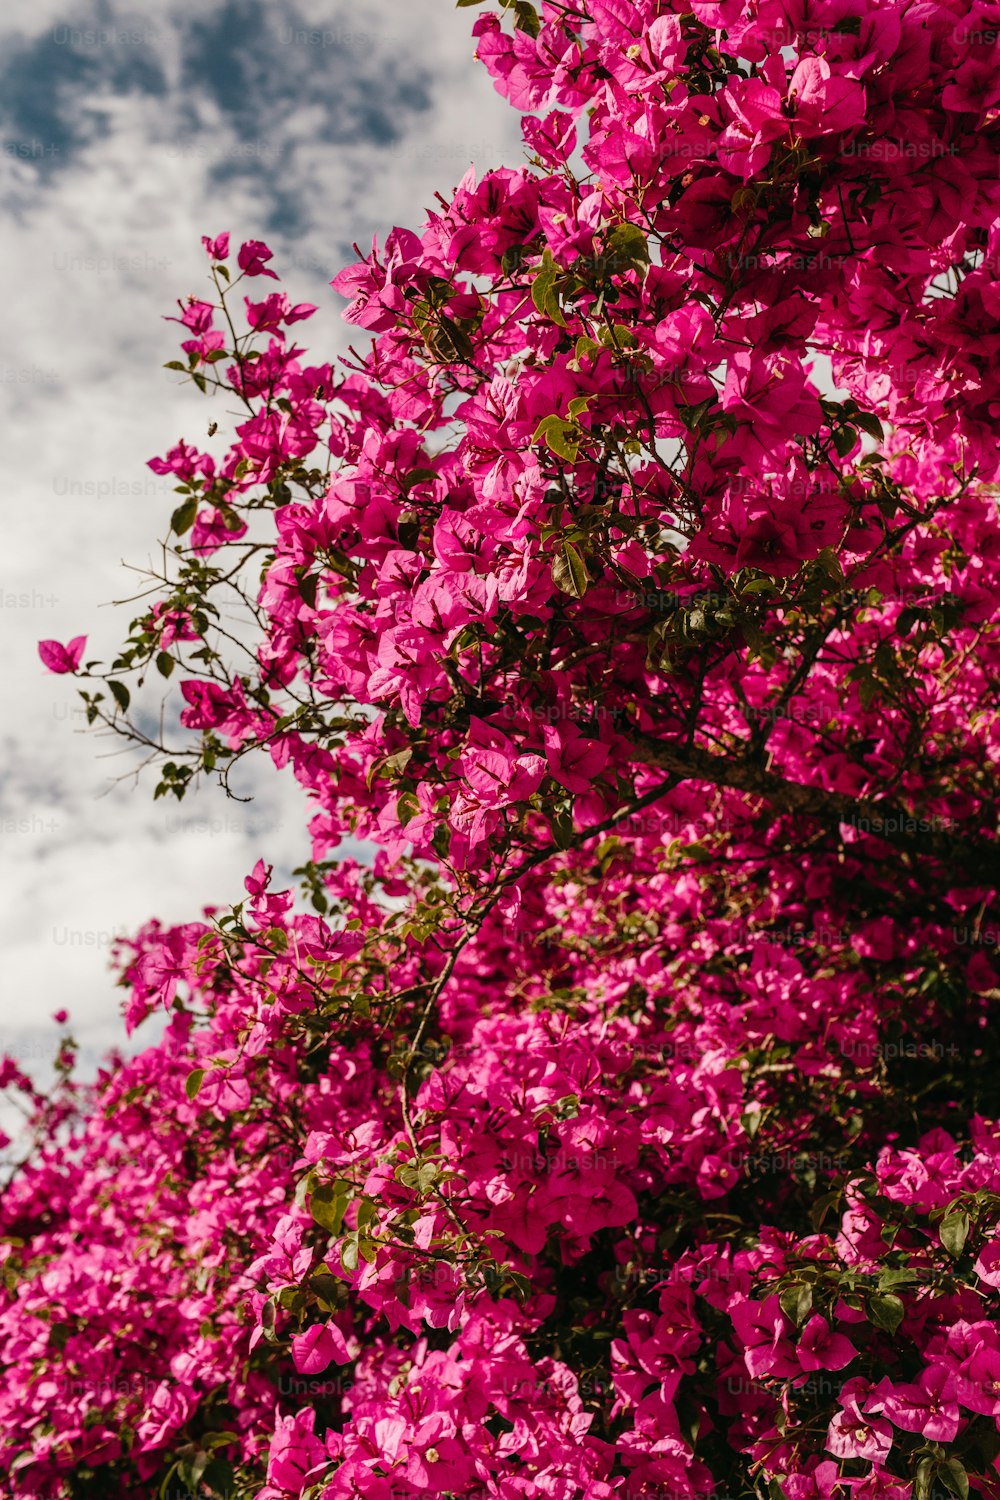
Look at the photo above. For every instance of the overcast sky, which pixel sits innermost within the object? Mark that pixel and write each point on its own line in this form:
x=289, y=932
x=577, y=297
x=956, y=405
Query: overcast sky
x=128, y=134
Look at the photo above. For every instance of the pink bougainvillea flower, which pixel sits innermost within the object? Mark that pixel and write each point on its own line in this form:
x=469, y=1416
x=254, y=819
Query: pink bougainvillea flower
x=987, y=1266
x=977, y=1384
x=573, y=760
x=252, y=258
x=295, y=1451
x=821, y=1349
x=60, y=658
x=318, y=1347
x=927, y=1407
x=823, y=102
x=855, y=1434
x=623, y=607
x=765, y=1332
x=217, y=248
x=753, y=110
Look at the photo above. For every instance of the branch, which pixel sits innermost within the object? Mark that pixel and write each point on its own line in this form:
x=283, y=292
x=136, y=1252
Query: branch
x=979, y=857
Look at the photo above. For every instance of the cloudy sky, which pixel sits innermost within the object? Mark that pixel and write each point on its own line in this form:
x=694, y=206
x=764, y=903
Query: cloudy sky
x=126, y=135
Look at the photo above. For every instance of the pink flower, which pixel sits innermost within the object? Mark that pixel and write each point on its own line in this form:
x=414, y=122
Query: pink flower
x=773, y=396
x=987, y=1266
x=819, y=1349
x=821, y=1482
x=854, y=1434
x=553, y=138
x=295, y=1451
x=165, y=964
x=258, y=881
x=172, y=625
x=573, y=760
x=822, y=102
x=196, y=315
x=319, y=1346
x=926, y=1407
x=764, y=1330
x=217, y=249
x=977, y=1386
x=377, y=291
x=167, y=1410
x=209, y=705
x=275, y=310
x=224, y=1090
x=60, y=658
x=755, y=121
x=252, y=258
x=773, y=544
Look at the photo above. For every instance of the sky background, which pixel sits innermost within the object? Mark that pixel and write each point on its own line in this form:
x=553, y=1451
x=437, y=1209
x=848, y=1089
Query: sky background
x=128, y=134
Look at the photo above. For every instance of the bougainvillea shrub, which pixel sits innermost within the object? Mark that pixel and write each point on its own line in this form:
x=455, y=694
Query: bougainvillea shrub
x=629, y=1125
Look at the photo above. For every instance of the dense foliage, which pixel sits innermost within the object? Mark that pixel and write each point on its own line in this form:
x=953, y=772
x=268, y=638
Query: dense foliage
x=631, y=1126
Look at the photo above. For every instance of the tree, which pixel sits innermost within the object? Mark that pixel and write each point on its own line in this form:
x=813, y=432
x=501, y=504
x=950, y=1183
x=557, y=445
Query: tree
x=630, y=1126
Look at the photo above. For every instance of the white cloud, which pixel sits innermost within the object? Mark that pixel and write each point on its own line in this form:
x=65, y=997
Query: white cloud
x=100, y=239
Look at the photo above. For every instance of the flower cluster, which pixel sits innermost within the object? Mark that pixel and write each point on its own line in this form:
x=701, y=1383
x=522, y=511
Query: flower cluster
x=627, y=1126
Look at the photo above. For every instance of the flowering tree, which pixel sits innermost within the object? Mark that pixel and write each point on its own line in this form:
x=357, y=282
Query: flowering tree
x=631, y=1125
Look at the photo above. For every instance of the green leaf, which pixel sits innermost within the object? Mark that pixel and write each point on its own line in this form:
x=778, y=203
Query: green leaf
x=923, y=1479
x=843, y=440
x=822, y=1207
x=450, y=343
x=559, y=436
x=193, y=1082
x=164, y=663
x=828, y=560
x=417, y=476
x=427, y=1176
x=328, y=1206
x=221, y=1439
x=191, y=1468
x=886, y=1311
x=868, y=691
x=954, y=1478
x=391, y=765
x=569, y=571
x=561, y=823
x=953, y=1232
x=525, y=16
x=268, y=1319
x=796, y=1302
x=183, y=517
x=120, y=694
x=544, y=292
x=890, y=1279
x=627, y=244
x=869, y=422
